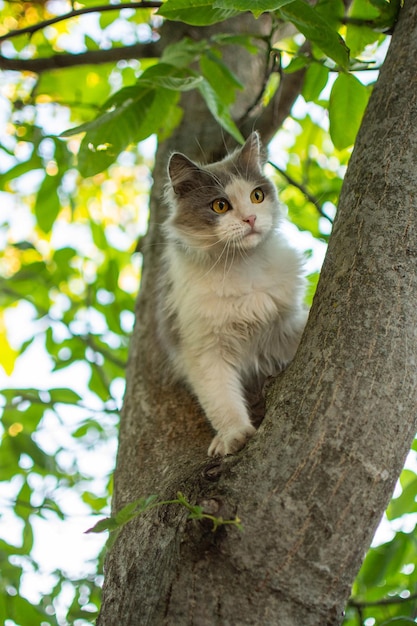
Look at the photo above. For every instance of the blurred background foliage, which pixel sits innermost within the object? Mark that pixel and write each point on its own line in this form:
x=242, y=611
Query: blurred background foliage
x=76, y=155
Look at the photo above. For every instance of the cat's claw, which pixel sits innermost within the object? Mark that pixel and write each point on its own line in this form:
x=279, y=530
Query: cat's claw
x=230, y=442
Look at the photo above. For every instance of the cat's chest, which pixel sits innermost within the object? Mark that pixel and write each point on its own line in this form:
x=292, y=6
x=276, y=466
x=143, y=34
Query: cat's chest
x=220, y=299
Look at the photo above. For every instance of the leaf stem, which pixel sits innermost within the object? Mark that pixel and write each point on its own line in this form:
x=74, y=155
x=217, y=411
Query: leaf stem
x=134, y=509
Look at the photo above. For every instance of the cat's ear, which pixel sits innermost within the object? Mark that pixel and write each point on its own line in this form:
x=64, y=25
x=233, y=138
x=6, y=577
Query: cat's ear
x=183, y=173
x=252, y=154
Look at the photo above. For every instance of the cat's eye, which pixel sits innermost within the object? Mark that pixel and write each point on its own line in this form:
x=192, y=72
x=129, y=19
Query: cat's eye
x=257, y=196
x=220, y=205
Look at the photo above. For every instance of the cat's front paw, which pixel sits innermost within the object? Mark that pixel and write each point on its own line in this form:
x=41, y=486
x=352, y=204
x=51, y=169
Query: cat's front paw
x=231, y=442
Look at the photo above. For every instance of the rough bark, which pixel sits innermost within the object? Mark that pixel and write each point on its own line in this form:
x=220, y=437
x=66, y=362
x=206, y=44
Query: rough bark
x=310, y=488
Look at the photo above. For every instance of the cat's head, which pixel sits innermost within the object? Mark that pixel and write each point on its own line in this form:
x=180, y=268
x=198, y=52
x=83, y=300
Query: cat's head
x=229, y=203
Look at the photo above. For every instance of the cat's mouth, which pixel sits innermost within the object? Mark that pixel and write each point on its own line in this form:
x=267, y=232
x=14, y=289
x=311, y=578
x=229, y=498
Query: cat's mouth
x=253, y=231
x=251, y=238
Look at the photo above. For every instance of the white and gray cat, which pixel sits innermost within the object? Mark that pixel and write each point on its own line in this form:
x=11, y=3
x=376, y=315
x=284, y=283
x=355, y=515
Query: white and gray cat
x=231, y=292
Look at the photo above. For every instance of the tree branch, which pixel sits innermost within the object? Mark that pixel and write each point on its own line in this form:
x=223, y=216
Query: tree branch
x=273, y=64
x=106, y=354
x=33, y=399
x=279, y=107
x=92, y=57
x=303, y=190
x=358, y=604
x=30, y=30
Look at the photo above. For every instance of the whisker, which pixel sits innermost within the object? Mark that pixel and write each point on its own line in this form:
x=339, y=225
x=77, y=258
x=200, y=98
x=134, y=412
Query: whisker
x=196, y=235
x=226, y=269
x=217, y=260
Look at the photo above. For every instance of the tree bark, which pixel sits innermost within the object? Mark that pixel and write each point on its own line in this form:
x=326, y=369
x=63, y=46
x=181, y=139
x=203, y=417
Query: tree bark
x=311, y=486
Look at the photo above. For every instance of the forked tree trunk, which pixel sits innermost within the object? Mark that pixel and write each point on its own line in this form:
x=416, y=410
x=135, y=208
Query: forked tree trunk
x=311, y=487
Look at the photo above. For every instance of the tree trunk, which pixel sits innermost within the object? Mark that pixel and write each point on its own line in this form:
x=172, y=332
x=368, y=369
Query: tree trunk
x=311, y=486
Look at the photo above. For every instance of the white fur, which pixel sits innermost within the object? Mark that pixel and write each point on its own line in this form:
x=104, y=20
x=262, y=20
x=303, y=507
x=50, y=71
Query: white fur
x=239, y=314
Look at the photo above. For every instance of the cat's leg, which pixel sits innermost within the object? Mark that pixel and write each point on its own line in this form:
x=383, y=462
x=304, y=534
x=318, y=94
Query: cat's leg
x=231, y=442
x=218, y=389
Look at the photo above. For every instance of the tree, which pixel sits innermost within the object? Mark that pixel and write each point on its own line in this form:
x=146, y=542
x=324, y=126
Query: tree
x=304, y=509
x=313, y=484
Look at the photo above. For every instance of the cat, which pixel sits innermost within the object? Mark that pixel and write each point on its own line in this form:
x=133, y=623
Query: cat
x=231, y=289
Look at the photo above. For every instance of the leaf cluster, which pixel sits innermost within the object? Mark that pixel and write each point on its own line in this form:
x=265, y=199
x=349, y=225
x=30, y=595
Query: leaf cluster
x=386, y=587
x=66, y=291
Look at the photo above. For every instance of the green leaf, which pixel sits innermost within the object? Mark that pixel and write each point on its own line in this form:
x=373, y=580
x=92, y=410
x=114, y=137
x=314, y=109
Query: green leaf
x=27, y=543
x=133, y=509
x=135, y=120
x=314, y=82
x=34, y=163
x=219, y=110
x=50, y=505
x=99, y=236
x=313, y=280
x=24, y=444
x=127, y=513
x=223, y=81
x=29, y=417
x=347, y=104
x=182, y=53
x=23, y=507
x=62, y=258
x=296, y=64
x=332, y=11
x=47, y=203
x=358, y=38
x=24, y=245
x=195, y=12
x=256, y=6
x=112, y=276
x=360, y=32
x=93, y=501
x=310, y=23
x=108, y=523
x=388, y=13
x=98, y=384
x=246, y=41
x=374, y=568
x=21, y=611
x=407, y=500
x=64, y=396
x=87, y=84
x=132, y=114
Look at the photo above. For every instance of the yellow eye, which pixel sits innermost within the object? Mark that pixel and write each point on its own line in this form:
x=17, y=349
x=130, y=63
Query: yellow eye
x=220, y=205
x=257, y=196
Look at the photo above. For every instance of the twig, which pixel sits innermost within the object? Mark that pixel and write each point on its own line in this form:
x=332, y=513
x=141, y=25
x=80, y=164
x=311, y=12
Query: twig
x=383, y=602
x=92, y=57
x=273, y=64
x=303, y=190
x=142, y=505
x=21, y=396
x=30, y=30
x=107, y=354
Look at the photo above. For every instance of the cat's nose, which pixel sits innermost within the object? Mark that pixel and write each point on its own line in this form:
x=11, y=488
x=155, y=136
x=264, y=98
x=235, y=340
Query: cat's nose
x=251, y=219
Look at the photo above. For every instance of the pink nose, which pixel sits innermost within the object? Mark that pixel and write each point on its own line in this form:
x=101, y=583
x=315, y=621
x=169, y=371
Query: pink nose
x=251, y=219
